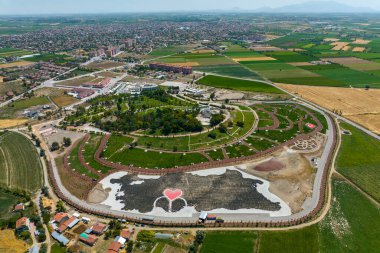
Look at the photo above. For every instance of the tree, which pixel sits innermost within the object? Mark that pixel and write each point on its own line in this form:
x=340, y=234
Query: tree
x=24, y=235
x=216, y=119
x=222, y=129
x=54, y=146
x=212, y=135
x=45, y=191
x=42, y=153
x=60, y=206
x=199, y=236
x=130, y=247
x=212, y=96
x=38, y=143
x=240, y=124
x=66, y=142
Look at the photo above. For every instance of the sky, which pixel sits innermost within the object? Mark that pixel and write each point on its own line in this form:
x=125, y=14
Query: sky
x=15, y=7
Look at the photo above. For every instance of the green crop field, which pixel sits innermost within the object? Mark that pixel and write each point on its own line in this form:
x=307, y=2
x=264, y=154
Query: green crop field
x=342, y=230
x=292, y=241
x=56, y=58
x=238, y=84
x=9, y=52
x=350, y=77
x=163, y=51
x=233, y=70
x=351, y=224
x=20, y=163
x=359, y=160
x=198, y=59
x=227, y=242
x=29, y=102
x=288, y=56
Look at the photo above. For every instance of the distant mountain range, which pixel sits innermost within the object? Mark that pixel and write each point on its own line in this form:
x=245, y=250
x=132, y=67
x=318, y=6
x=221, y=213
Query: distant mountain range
x=316, y=7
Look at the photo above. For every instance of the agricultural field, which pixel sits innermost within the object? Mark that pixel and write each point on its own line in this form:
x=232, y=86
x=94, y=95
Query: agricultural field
x=8, y=123
x=104, y=65
x=233, y=70
x=194, y=60
x=59, y=59
x=304, y=240
x=11, y=52
x=359, y=160
x=344, y=229
x=16, y=64
x=170, y=50
x=8, y=240
x=79, y=81
x=359, y=105
x=229, y=241
x=238, y=84
x=21, y=164
x=29, y=102
x=16, y=87
x=57, y=96
x=15, y=110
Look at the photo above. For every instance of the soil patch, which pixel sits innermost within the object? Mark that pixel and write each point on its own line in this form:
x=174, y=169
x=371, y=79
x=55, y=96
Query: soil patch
x=98, y=194
x=271, y=165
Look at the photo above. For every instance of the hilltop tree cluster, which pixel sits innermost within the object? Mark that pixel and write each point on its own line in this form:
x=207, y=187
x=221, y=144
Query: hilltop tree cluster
x=165, y=120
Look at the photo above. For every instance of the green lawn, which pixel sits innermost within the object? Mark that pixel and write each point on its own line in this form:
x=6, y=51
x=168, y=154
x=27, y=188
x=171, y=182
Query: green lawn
x=89, y=150
x=238, y=84
x=153, y=159
x=228, y=242
x=56, y=248
x=216, y=155
x=77, y=166
x=7, y=201
x=19, y=162
x=359, y=160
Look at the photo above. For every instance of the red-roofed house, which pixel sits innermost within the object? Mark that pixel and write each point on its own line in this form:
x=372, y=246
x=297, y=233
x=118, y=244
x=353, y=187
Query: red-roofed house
x=20, y=207
x=22, y=224
x=114, y=247
x=99, y=228
x=126, y=234
x=60, y=217
x=88, y=239
x=104, y=83
x=67, y=224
